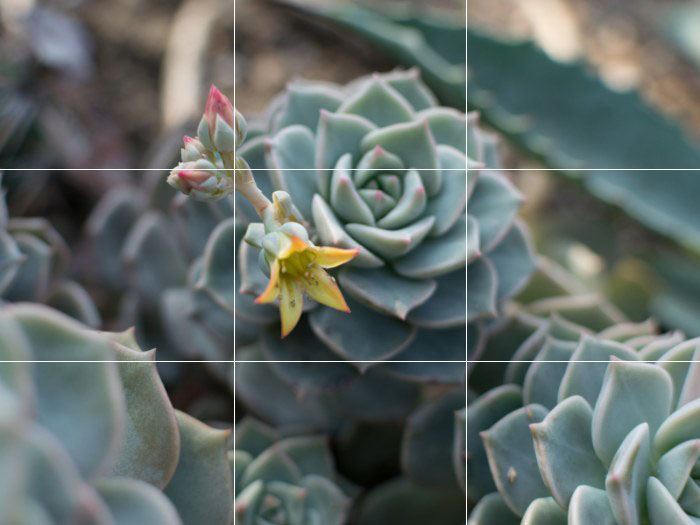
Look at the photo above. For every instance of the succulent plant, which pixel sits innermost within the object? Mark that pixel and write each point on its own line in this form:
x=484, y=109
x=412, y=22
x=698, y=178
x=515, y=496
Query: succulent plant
x=499, y=257
x=170, y=258
x=88, y=434
x=375, y=166
x=288, y=481
x=590, y=428
x=33, y=260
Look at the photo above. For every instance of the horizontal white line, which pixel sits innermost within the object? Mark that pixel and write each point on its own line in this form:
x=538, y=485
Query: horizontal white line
x=585, y=170
x=218, y=169
x=548, y=361
x=579, y=170
x=229, y=361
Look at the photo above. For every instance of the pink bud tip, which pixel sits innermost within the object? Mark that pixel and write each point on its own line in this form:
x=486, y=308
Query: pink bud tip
x=218, y=104
x=187, y=140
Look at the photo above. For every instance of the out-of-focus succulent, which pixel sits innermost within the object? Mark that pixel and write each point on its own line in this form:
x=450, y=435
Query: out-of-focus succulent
x=33, y=260
x=88, y=434
x=288, y=481
x=499, y=258
x=590, y=428
x=171, y=262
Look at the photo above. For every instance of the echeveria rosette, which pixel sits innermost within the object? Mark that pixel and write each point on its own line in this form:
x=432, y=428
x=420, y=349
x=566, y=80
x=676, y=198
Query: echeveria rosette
x=375, y=166
x=499, y=258
x=286, y=481
x=570, y=441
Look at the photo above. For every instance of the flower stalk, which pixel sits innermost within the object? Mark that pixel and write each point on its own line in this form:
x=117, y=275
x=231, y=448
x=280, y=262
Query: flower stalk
x=210, y=170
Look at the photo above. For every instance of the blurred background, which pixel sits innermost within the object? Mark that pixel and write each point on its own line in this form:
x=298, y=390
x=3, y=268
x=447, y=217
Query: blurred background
x=114, y=84
x=591, y=89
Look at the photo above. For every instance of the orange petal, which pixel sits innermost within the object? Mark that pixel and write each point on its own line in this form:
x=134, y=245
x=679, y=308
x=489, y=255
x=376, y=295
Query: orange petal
x=272, y=290
x=291, y=304
x=332, y=257
x=297, y=246
x=322, y=287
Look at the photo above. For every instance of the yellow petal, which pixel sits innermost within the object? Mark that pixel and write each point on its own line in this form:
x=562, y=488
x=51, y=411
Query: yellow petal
x=332, y=257
x=296, y=246
x=291, y=304
x=272, y=290
x=321, y=287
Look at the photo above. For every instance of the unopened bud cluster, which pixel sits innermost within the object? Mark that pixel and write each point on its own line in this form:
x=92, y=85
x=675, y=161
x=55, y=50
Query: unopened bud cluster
x=206, y=171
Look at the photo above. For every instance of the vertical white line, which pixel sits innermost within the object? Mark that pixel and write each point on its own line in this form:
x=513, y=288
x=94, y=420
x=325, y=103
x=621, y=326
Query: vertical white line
x=466, y=396
x=234, y=272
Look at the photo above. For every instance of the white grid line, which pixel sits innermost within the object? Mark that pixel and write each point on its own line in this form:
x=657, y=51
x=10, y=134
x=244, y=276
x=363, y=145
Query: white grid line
x=234, y=277
x=224, y=169
x=574, y=170
x=234, y=361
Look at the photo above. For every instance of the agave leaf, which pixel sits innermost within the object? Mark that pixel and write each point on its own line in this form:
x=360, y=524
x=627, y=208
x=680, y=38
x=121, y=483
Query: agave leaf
x=409, y=37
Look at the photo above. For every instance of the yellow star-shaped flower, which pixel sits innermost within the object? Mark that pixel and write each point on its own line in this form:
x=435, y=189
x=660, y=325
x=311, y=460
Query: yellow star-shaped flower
x=300, y=268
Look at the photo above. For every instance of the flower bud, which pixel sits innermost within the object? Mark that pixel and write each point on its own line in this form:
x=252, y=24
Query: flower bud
x=219, y=126
x=192, y=150
x=201, y=180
